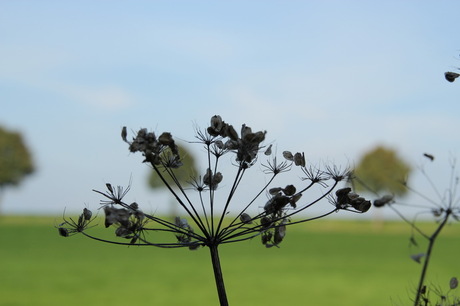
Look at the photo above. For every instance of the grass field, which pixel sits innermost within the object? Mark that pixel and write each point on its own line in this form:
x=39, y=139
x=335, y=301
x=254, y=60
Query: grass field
x=320, y=263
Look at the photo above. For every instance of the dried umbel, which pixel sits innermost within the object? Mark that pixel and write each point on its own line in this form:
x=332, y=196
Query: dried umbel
x=209, y=222
x=70, y=227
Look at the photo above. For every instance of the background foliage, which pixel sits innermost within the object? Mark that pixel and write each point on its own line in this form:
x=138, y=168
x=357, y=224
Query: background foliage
x=15, y=158
x=382, y=170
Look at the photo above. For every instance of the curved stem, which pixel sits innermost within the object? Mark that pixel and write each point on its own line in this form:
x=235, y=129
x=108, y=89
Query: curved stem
x=431, y=240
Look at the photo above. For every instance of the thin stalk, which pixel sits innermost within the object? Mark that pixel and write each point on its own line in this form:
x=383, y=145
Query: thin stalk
x=218, y=275
x=431, y=240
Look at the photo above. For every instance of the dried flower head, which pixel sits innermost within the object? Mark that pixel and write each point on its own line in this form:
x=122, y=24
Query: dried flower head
x=209, y=222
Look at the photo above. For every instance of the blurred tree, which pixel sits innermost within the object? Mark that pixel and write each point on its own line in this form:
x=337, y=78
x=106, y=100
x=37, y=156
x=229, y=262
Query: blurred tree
x=183, y=173
x=15, y=159
x=382, y=170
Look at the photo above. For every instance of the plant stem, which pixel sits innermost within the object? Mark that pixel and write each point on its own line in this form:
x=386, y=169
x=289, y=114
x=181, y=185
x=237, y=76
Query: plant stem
x=431, y=240
x=218, y=275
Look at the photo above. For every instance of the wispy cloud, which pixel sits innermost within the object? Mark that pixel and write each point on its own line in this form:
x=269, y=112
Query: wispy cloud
x=108, y=97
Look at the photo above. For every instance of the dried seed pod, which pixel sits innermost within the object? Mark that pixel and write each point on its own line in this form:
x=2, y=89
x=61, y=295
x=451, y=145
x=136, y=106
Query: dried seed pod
x=231, y=145
x=268, y=151
x=123, y=232
x=429, y=156
x=63, y=232
x=280, y=233
x=342, y=195
x=217, y=178
x=351, y=195
x=289, y=190
x=231, y=132
x=114, y=215
x=363, y=206
x=207, y=178
x=417, y=257
x=87, y=214
x=453, y=283
x=245, y=131
x=294, y=199
x=265, y=222
x=383, y=200
x=166, y=139
x=245, y=218
x=288, y=155
x=258, y=137
x=266, y=237
x=124, y=134
x=343, y=191
x=216, y=126
x=451, y=76
x=109, y=187
x=216, y=123
x=274, y=190
x=211, y=131
x=219, y=144
x=270, y=205
x=299, y=159
x=280, y=202
x=80, y=221
x=193, y=246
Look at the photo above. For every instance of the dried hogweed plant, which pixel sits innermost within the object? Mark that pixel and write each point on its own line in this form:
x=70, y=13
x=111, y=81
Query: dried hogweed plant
x=207, y=222
x=443, y=209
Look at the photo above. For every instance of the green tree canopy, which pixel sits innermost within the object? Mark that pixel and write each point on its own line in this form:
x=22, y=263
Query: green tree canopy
x=184, y=173
x=15, y=159
x=381, y=170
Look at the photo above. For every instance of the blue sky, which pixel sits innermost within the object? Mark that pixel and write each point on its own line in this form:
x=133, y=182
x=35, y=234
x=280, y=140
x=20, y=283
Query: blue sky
x=330, y=78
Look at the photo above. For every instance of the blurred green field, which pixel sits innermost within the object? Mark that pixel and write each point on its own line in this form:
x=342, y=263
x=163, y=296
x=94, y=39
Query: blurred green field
x=327, y=262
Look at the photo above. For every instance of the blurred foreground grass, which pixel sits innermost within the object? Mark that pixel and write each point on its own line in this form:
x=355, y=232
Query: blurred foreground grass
x=326, y=262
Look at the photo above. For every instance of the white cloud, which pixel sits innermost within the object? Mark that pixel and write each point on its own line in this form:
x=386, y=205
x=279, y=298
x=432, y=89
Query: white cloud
x=109, y=97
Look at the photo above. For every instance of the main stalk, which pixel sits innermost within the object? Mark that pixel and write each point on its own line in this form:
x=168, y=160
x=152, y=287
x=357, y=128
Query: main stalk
x=218, y=275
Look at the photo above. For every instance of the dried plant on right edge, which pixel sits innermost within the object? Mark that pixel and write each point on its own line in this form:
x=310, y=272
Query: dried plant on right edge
x=444, y=208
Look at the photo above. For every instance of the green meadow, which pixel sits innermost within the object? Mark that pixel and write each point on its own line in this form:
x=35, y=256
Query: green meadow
x=326, y=262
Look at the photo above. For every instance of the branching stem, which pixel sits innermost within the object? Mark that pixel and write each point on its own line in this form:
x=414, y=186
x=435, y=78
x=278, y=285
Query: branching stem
x=431, y=241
